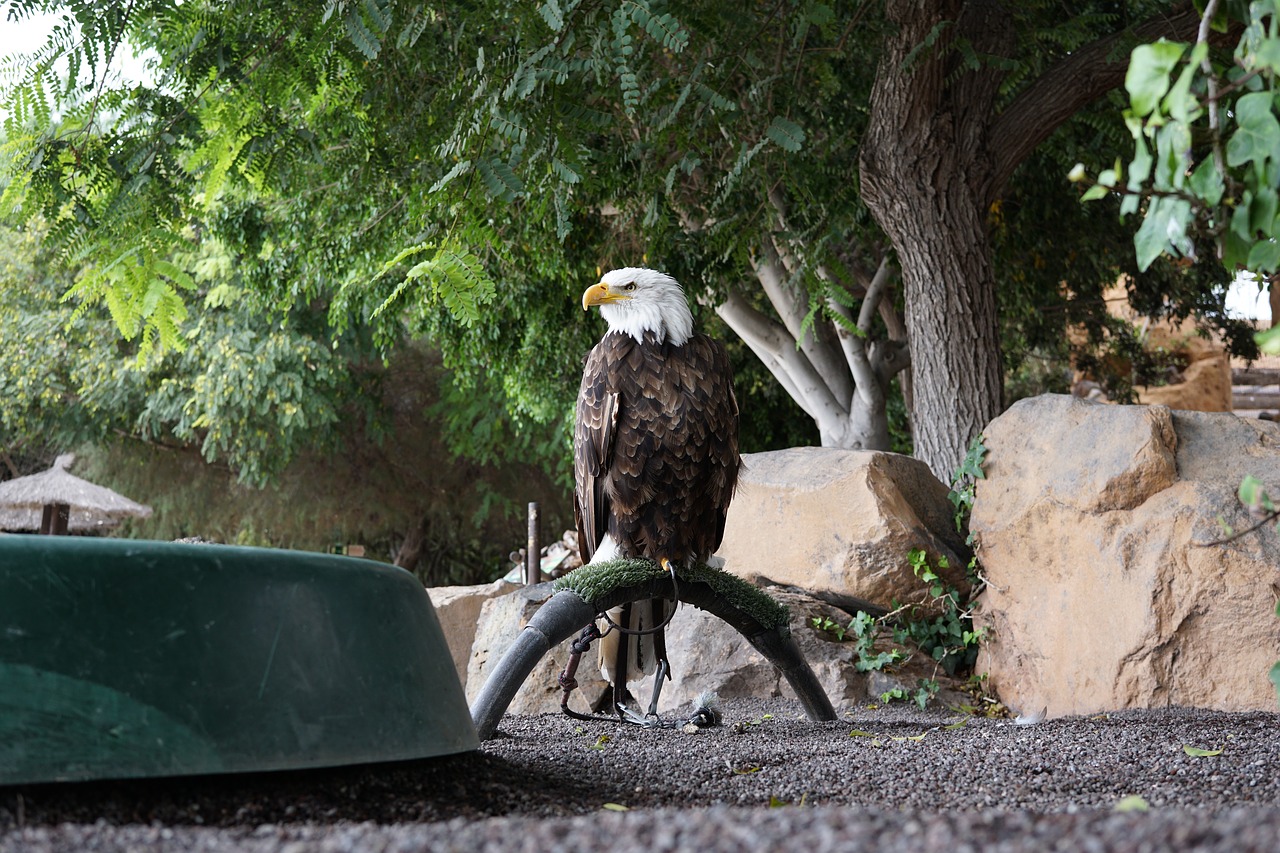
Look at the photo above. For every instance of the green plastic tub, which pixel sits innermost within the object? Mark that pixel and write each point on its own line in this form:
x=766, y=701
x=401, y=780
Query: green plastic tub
x=126, y=658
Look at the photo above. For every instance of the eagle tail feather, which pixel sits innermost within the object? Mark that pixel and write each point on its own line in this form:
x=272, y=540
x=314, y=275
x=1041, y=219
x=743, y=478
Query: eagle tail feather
x=625, y=658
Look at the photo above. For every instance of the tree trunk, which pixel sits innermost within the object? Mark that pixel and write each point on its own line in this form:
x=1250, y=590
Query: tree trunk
x=840, y=379
x=936, y=156
x=409, y=554
x=951, y=309
x=926, y=176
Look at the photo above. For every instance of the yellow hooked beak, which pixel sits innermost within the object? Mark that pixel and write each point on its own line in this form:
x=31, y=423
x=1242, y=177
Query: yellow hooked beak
x=598, y=294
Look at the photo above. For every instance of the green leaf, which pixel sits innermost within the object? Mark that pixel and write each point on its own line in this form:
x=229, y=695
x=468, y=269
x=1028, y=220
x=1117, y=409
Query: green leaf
x=1262, y=210
x=1147, y=79
x=786, y=134
x=1140, y=165
x=551, y=13
x=175, y=274
x=1180, y=103
x=1257, y=135
x=1269, y=341
x=1197, y=752
x=1206, y=182
x=615, y=807
x=1095, y=192
x=1173, y=144
x=379, y=16
x=360, y=34
x=1132, y=803
x=663, y=28
x=1274, y=675
x=501, y=182
x=1151, y=240
x=1254, y=495
x=564, y=171
x=1264, y=257
x=459, y=168
x=1268, y=55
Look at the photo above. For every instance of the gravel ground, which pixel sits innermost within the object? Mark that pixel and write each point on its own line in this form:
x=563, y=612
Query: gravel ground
x=887, y=779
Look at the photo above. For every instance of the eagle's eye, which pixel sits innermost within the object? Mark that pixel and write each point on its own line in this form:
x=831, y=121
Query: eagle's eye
x=629, y=286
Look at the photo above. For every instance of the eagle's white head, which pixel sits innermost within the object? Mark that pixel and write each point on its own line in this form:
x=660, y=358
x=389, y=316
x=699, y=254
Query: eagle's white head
x=634, y=300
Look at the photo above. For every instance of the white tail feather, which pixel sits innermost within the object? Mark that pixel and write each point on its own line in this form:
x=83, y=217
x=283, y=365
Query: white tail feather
x=641, y=657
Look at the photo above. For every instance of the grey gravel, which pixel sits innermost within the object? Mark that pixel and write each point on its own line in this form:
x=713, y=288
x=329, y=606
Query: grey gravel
x=908, y=780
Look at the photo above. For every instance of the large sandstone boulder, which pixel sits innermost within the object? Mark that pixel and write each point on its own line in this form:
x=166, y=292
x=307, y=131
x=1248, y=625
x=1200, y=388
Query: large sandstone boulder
x=839, y=523
x=1091, y=523
x=501, y=619
x=1205, y=383
x=458, y=610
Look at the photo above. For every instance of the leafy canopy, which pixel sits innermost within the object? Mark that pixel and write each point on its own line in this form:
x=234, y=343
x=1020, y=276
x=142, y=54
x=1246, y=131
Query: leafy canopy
x=1206, y=137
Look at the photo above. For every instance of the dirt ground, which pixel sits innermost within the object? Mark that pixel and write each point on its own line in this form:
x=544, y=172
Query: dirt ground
x=886, y=779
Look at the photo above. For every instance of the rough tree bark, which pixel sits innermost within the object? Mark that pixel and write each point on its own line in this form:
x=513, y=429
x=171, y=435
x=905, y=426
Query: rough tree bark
x=936, y=156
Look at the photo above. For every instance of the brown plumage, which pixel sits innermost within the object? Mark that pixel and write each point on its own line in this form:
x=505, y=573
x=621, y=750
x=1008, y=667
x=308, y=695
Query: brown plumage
x=655, y=447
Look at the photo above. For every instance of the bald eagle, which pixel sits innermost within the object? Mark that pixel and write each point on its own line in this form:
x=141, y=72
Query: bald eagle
x=655, y=452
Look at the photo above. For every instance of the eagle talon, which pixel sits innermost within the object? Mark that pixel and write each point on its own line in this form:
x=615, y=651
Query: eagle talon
x=648, y=721
x=664, y=672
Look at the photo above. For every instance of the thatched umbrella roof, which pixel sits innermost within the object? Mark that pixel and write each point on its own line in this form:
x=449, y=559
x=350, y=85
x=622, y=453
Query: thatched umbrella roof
x=82, y=521
x=92, y=506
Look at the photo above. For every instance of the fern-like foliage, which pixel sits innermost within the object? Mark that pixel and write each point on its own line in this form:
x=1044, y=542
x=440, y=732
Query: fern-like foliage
x=453, y=274
x=376, y=166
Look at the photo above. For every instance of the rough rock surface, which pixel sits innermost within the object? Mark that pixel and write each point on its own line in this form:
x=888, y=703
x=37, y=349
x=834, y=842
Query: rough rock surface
x=707, y=654
x=763, y=781
x=501, y=619
x=838, y=522
x=458, y=609
x=1092, y=523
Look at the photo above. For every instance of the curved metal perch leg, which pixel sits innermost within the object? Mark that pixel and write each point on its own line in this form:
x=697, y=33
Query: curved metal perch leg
x=567, y=612
x=776, y=644
x=555, y=622
x=782, y=652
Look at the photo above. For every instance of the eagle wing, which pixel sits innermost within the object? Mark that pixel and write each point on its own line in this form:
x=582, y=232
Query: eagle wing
x=595, y=430
x=710, y=447
x=655, y=447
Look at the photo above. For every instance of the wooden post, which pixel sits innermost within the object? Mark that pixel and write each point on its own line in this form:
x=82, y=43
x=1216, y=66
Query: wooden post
x=533, y=552
x=54, y=519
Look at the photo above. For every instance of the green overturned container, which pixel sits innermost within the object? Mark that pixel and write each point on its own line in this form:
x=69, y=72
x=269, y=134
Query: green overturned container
x=126, y=658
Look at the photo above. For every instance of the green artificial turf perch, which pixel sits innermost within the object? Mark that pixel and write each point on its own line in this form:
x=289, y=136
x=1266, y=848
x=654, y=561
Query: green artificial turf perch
x=595, y=582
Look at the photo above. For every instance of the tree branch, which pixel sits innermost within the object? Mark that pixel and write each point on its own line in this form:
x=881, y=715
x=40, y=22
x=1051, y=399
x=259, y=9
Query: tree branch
x=776, y=348
x=820, y=352
x=869, y=385
x=1211, y=82
x=1074, y=82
